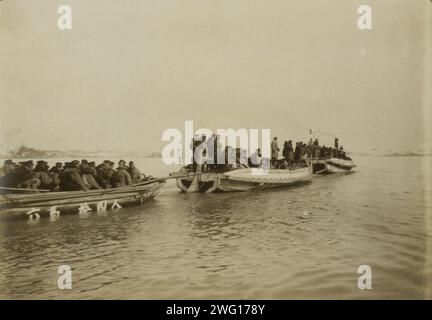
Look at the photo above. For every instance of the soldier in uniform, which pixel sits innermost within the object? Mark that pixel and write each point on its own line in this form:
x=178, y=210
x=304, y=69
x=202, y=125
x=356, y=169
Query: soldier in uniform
x=54, y=173
x=57, y=168
x=71, y=179
x=122, y=163
x=121, y=177
x=104, y=174
x=274, y=151
x=24, y=176
x=8, y=166
x=41, y=173
x=88, y=175
x=9, y=178
x=134, y=172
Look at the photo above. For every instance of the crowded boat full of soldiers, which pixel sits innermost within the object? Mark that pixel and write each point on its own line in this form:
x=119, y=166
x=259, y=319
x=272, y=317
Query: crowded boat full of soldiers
x=69, y=176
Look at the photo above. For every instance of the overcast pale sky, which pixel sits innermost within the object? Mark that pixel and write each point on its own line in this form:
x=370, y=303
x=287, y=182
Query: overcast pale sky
x=130, y=69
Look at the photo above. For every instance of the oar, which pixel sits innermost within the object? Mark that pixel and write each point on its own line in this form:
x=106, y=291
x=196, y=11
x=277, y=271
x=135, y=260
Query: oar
x=24, y=189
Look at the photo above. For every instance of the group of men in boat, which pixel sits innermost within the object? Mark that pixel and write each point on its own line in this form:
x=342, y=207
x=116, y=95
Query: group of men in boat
x=298, y=156
x=293, y=156
x=70, y=176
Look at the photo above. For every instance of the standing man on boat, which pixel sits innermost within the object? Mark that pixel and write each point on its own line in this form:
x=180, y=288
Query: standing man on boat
x=297, y=152
x=199, y=146
x=194, y=144
x=274, y=151
x=285, y=150
x=211, y=156
x=290, y=153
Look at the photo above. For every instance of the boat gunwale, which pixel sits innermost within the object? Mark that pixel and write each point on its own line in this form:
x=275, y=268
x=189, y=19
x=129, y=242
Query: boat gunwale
x=19, y=199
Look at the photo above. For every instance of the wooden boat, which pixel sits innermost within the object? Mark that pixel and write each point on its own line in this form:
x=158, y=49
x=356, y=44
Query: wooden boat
x=55, y=204
x=332, y=165
x=242, y=179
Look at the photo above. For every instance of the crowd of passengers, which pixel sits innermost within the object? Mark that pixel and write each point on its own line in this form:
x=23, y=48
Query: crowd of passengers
x=293, y=156
x=298, y=156
x=70, y=176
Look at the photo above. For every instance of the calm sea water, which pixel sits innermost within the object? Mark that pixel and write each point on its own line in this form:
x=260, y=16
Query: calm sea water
x=300, y=242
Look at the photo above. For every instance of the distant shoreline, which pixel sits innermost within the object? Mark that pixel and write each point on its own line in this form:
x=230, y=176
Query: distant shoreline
x=118, y=156
x=396, y=154
x=90, y=156
x=25, y=152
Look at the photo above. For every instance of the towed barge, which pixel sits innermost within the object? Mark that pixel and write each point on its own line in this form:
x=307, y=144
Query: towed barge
x=242, y=179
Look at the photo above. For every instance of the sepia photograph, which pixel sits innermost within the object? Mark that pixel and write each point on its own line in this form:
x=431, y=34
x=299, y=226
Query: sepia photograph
x=216, y=150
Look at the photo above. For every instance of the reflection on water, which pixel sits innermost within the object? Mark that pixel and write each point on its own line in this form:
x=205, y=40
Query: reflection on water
x=300, y=242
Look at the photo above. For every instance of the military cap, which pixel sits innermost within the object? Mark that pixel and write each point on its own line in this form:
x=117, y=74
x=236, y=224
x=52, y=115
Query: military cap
x=74, y=163
x=8, y=162
x=27, y=163
x=84, y=161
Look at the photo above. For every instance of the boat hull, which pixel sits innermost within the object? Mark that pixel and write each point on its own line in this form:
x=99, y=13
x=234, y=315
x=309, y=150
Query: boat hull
x=56, y=204
x=204, y=183
x=243, y=180
x=332, y=165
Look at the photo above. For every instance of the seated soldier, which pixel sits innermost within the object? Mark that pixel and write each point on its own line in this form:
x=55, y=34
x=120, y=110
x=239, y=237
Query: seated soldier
x=41, y=172
x=8, y=166
x=104, y=174
x=88, y=175
x=9, y=180
x=24, y=176
x=57, y=168
x=121, y=177
x=70, y=178
x=122, y=163
x=134, y=172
